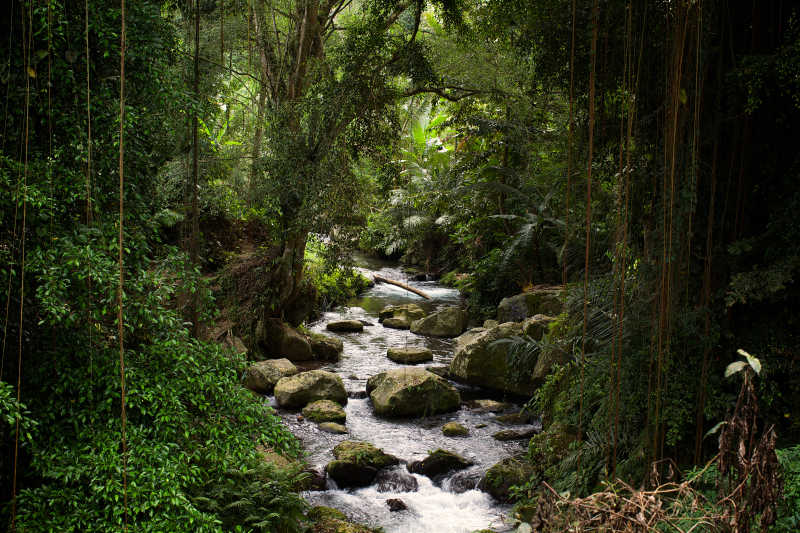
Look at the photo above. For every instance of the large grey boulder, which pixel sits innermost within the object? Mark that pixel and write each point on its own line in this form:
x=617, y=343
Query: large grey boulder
x=295, y=392
x=400, y=316
x=447, y=322
x=479, y=361
x=277, y=339
x=409, y=392
x=545, y=301
x=324, y=411
x=536, y=326
x=262, y=376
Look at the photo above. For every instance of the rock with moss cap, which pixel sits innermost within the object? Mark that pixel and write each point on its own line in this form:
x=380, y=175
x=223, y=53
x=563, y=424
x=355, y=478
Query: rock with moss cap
x=345, y=326
x=262, y=376
x=357, y=463
x=409, y=356
x=409, y=392
x=536, y=326
x=333, y=427
x=544, y=300
x=480, y=361
x=400, y=316
x=324, y=411
x=454, y=429
x=447, y=322
x=326, y=348
x=438, y=463
x=499, y=479
x=295, y=392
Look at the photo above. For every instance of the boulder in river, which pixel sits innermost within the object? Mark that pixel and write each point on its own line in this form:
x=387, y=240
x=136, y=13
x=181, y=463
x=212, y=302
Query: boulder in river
x=438, y=463
x=277, y=339
x=295, y=392
x=479, y=361
x=513, y=434
x=324, y=411
x=400, y=316
x=357, y=463
x=326, y=348
x=396, y=504
x=333, y=427
x=499, y=479
x=545, y=300
x=454, y=429
x=408, y=392
x=410, y=356
x=395, y=480
x=447, y=322
x=262, y=376
x=345, y=326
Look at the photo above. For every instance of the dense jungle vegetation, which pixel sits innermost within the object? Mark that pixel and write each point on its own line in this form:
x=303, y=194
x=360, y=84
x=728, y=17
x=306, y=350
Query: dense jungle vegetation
x=167, y=164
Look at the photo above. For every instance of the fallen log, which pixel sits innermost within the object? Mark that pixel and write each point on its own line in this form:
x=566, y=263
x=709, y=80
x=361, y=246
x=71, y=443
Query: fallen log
x=381, y=279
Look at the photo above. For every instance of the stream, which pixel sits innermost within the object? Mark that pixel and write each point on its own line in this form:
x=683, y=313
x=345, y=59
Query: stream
x=455, y=506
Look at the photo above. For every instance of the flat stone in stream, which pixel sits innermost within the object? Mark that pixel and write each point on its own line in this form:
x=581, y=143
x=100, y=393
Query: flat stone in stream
x=345, y=326
x=410, y=356
x=324, y=411
x=333, y=427
x=454, y=429
x=511, y=434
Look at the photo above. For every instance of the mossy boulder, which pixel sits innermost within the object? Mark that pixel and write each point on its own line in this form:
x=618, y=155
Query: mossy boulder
x=454, y=429
x=357, y=463
x=332, y=525
x=321, y=513
x=400, y=316
x=295, y=392
x=513, y=434
x=536, y=326
x=262, y=376
x=409, y=356
x=447, y=322
x=545, y=301
x=326, y=348
x=333, y=427
x=438, y=463
x=277, y=339
x=345, y=326
x=479, y=361
x=324, y=411
x=409, y=392
x=499, y=479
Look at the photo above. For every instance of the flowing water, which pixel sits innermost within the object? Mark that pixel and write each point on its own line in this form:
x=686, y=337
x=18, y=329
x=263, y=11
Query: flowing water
x=452, y=506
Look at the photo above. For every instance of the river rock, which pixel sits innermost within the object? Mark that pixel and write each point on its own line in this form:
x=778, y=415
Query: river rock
x=324, y=411
x=326, y=348
x=478, y=361
x=345, y=326
x=491, y=406
x=439, y=370
x=277, y=339
x=262, y=376
x=512, y=434
x=454, y=429
x=410, y=356
x=536, y=326
x=438, y=463
x=333, y=427
x=295, y=392
x=499, y=479
x=490, y=323
x=408, y=312
x=515, y=419
x=408, y=392
x=396, y=504
x=546, y=301
x=447, y=322
x=357, y=463
x=462, y=481
x=330, y=520
x=395, y=480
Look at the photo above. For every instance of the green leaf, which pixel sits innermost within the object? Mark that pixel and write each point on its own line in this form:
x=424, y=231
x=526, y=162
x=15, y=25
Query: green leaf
x=715, y=428
x=755, y=364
